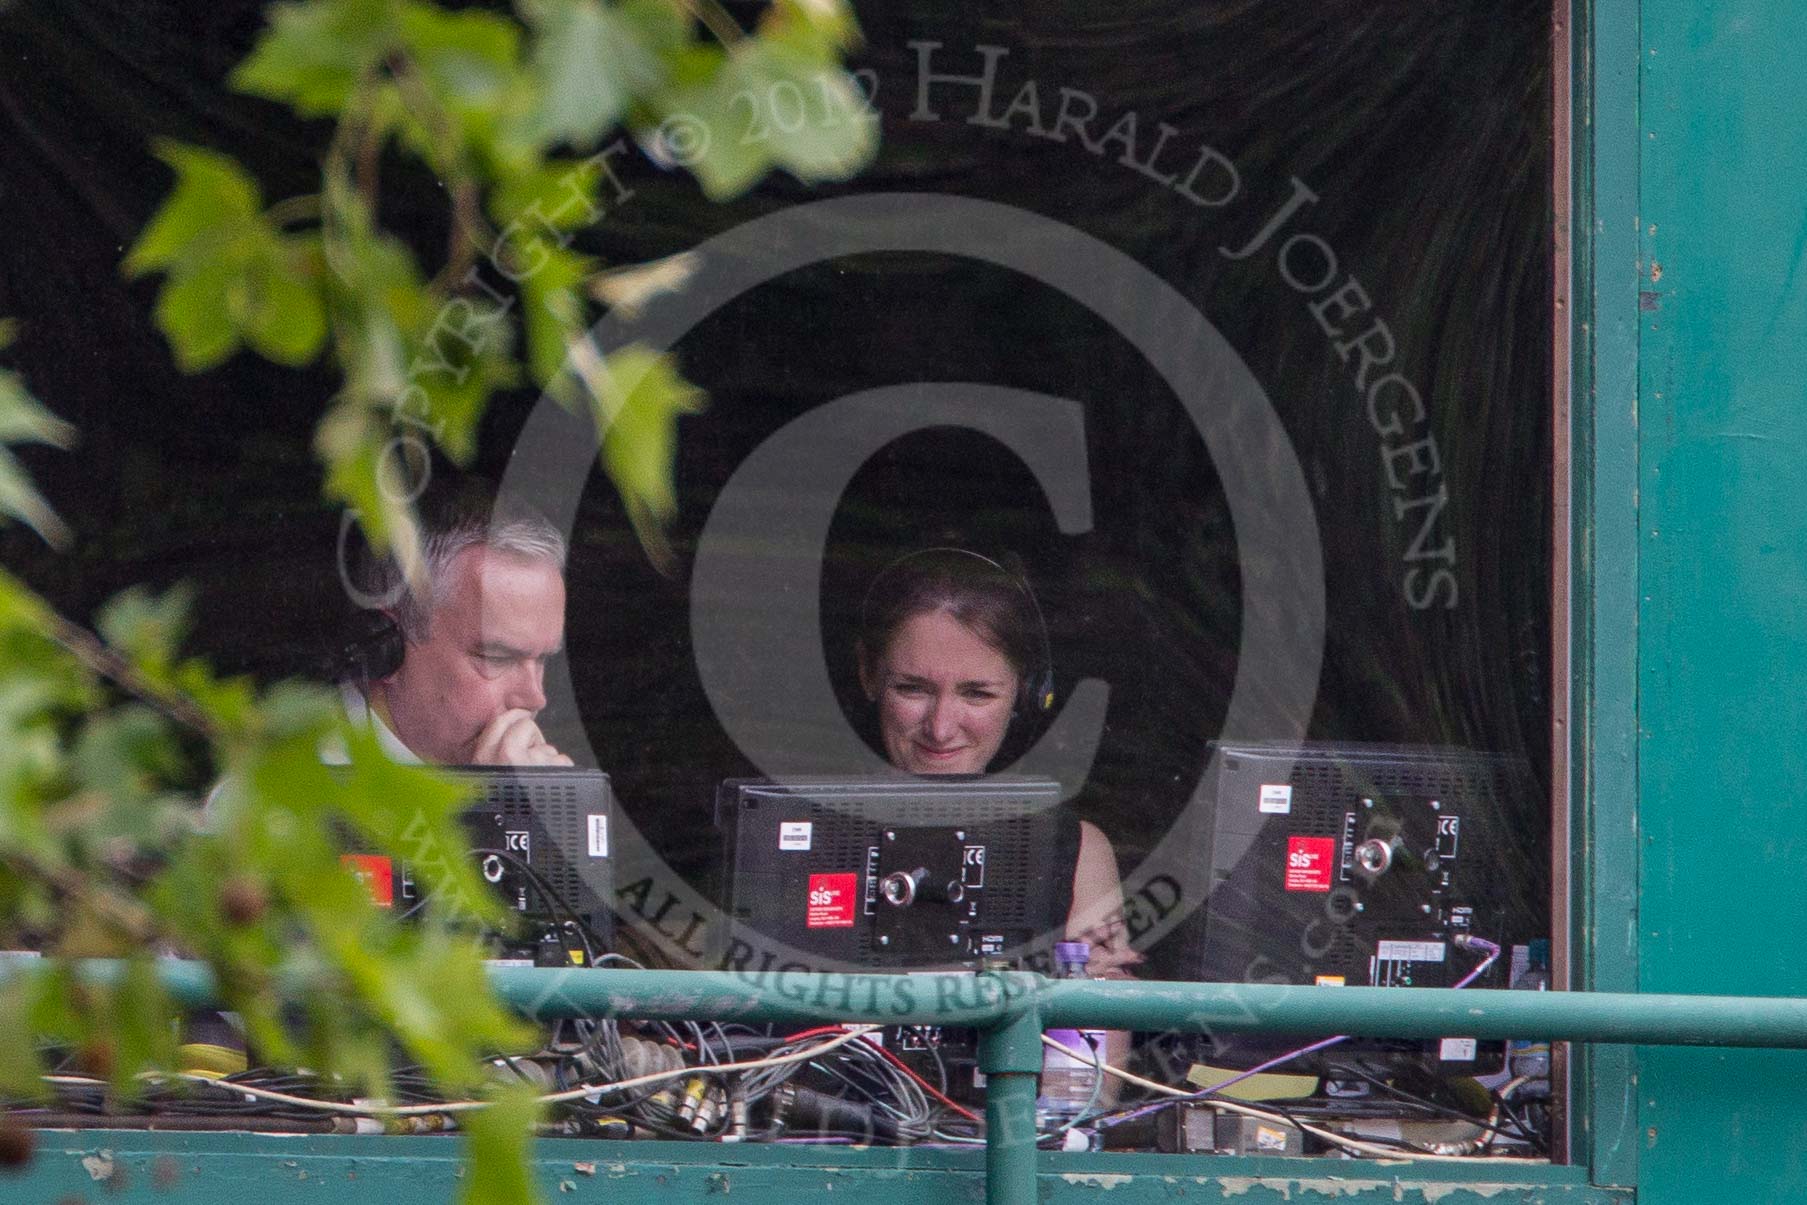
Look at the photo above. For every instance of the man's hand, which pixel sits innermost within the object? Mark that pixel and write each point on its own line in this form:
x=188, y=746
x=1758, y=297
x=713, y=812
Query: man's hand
x=513, y=739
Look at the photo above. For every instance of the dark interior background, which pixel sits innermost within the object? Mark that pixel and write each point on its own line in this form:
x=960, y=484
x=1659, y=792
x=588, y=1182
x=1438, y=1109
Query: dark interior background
x=1424, y=129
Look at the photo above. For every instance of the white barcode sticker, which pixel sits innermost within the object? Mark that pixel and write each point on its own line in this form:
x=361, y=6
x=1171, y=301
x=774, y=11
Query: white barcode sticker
x=1410, y=951
x=795, y=834
x=1277, y=798
x=599, y=836
x=1457, y=1050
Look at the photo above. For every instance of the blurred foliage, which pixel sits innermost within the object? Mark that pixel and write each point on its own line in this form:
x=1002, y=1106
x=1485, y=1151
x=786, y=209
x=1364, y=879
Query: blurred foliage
x=22, y=420
x=103, y=853
x=103, y=856
x=511, y=114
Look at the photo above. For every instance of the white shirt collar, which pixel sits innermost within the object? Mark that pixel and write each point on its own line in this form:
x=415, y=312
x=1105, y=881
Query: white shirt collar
x=359, y=711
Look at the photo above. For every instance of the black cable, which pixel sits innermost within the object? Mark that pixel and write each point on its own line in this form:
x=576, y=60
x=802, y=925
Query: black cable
x=1441, y=1109
x=665, y=1131
x=1532, y=1132
x=1292, y=1115
x=562, y=1084
x=934, y=1052
x=560, y=904
x=632, y=1105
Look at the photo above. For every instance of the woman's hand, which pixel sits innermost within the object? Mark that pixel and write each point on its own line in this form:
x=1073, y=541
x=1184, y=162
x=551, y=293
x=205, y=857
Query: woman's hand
x=1112, y=955
x=1097, y=915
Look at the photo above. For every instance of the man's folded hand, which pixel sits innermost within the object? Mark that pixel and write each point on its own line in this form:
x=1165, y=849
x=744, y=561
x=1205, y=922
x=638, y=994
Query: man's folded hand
x=514, y=739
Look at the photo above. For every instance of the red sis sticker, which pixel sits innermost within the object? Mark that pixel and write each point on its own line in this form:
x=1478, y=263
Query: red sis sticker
x=1308, y=863
x=376, y=873
x=831, y=900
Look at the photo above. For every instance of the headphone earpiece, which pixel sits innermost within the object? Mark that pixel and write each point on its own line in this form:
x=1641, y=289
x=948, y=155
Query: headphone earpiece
x=1038, y=691
x=376, y=648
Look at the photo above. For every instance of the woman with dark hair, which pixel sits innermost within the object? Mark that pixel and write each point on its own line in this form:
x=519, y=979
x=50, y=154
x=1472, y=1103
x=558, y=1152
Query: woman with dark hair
x=952, y=650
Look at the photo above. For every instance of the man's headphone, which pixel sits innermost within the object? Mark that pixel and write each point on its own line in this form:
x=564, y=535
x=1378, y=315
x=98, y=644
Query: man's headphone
x=1035, y=694
x=375, y=648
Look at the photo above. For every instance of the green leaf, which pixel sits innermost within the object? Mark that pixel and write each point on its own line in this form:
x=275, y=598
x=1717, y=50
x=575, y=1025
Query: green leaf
x=371, y=348
x=186, y=893
x=231, y=276
x=80, y=790
x=588, y=62
x=146, y=629
x=662, y=26
x=21, y=607
x=228, y=702
x=636, y=397
x=351, y=441
x=694, y=64
x=213, y=196
x=812, y=117
x=470, y=53
x=21, y=500
x=553, y=308
x=194, y=313
x=820, y=28
x=298, y=708
x=286, y=321
x=500, y=1143
x=706, y=129
x=561, y=194
x=313, y=54
x=469, y=62
x=20, y=1068
x=139, y=1025
x=413, y=811
x=772, y=102
x=30, y=696
x=420, y=982
x=123, y=757
x=429, y=987
x=450, y=383
x=40, y=680
x=23, y=420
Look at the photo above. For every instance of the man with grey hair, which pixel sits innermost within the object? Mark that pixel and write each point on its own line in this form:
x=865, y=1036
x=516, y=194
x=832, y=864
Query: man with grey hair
x=458, y=676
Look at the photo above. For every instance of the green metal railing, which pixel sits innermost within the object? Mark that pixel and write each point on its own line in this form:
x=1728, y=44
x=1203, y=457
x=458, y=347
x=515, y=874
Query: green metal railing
x=1011, y=1009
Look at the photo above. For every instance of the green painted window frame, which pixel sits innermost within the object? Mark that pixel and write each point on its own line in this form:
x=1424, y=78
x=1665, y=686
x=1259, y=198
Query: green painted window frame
x=1596, y=554
x=1595, y=557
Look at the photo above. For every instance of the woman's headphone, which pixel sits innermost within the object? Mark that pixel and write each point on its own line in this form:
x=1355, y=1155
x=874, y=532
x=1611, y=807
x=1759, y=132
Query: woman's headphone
x=1035, y=694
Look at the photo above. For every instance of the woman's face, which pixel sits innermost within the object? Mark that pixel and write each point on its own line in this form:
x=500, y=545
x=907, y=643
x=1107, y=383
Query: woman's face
x=944, y=696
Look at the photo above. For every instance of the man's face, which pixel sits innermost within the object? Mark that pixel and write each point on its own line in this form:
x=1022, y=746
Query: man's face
x=498, y=619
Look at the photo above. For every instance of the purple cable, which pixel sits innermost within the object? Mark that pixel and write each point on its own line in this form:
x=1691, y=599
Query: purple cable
x=1492, y=951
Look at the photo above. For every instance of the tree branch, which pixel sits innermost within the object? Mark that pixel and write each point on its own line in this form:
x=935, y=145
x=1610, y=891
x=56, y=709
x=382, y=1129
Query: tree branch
x=131, y=917
x=89, y=650
x=469, y=231
x=718, y=21
x=303, y=208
